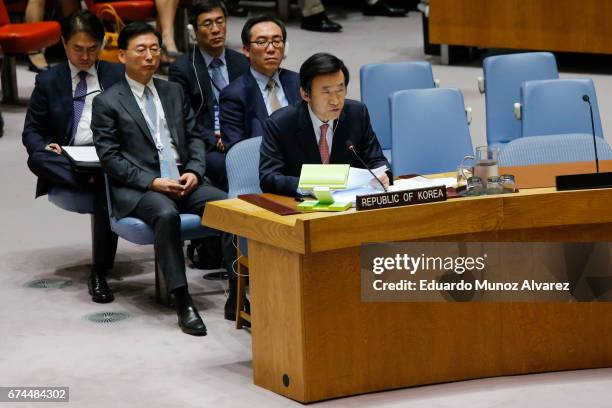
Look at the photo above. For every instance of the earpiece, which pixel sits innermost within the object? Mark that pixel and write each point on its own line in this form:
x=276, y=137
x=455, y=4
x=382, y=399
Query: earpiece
x=191, y=33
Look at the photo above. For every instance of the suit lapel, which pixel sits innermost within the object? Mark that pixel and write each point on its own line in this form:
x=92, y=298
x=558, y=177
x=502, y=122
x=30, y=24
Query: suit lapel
x=128, y=101
x=338, y=152
x=257, y=103
x=289, y=88
x=305, y=136
x=164, y=97
x=64, y=89
x=204, y=79
x=232, y=66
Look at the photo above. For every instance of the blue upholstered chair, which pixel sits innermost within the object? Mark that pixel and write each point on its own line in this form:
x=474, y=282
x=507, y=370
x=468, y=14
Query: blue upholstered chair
x=553, y=149
x=138, y=232
x=551, y=107
x=242, y=166
x=503, y=77
x=81, y=202
x=429, y=131
x=379, y=81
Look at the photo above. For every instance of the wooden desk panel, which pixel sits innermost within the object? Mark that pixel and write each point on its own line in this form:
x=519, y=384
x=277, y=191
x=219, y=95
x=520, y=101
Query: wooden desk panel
x=314, y=339
x=555, y=25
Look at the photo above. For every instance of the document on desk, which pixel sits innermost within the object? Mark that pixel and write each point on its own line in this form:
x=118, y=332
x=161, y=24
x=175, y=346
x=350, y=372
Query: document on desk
x=422, y=182
x=361, y=177
x=360, y=182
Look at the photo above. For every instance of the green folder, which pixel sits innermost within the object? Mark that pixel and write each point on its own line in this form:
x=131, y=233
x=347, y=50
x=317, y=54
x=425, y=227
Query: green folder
x=334, y=176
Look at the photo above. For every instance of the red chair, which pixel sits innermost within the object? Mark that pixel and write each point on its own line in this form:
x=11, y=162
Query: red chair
x=130, y=10
x=142, y=10
x=19, y=39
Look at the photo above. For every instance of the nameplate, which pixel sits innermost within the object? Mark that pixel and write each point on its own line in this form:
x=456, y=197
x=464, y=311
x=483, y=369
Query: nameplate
x=401, y=198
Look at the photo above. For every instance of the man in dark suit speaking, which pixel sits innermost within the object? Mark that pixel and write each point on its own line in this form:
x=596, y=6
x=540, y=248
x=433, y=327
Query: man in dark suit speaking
x=317, y=130
x=149, y=144
x=249, y=100
x=204, y=73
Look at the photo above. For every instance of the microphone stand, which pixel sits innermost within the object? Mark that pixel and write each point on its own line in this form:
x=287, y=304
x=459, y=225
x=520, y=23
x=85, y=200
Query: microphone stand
x=351, y=148
x=590, y=180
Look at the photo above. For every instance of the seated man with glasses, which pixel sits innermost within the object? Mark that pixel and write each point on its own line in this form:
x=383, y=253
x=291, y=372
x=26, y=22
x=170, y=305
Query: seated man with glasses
x=248, y=101
x=204, y=73
x=151, y=147
x=59, y=114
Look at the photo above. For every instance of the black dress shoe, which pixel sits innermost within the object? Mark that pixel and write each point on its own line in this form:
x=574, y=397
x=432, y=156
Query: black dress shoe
x=98, y=288
x=382, y=8
x=320, y=22
x=189, y=320
x=34, y=68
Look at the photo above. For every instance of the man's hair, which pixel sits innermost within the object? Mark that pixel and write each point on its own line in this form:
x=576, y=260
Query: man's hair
x=133, y=30
x=248, y=26
x=204, y=6
x=83, y=22
x=320, y=64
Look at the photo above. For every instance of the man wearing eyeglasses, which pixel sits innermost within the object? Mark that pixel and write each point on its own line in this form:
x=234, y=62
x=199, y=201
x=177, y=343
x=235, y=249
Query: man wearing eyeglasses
x=150, y=145
x=248, y=101
x=204, y=73
x=59, y=114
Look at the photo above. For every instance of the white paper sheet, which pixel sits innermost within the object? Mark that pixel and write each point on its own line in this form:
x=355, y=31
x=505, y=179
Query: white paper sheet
x=85, y=154
x=422, y=182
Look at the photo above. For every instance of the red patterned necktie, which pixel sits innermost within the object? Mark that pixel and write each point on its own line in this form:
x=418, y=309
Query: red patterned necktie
x=323, y=146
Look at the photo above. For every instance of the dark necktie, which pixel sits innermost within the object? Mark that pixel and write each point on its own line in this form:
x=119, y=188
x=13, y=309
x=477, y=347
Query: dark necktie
x=78, y=103
x=218, y=84
x=217, y=75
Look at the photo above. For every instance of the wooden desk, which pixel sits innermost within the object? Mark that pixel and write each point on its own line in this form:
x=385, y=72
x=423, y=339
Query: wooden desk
x=314, y=339
x=544, y=175
x=554, y=25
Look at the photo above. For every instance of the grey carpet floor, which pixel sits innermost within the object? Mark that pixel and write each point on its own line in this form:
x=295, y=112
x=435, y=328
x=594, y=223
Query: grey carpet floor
x=146, y=361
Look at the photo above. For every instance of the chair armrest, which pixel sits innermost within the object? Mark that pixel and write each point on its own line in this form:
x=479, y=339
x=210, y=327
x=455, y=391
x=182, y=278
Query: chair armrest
x=517, y=111
x=468, y=115
x=481, y=84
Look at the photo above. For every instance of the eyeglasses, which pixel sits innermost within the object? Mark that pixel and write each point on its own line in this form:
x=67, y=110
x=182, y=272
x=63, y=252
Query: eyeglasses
x=154, y=50
x=262, y=43
x=208, y=24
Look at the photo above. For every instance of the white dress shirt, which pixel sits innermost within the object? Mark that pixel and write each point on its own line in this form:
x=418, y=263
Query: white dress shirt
x=262, y=81
x=138, y=91
x=84, y=135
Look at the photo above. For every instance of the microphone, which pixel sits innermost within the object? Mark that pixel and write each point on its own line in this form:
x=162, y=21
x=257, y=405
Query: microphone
x=588, y=100
x=76, y=98
x=351, y=148
x=589, y=180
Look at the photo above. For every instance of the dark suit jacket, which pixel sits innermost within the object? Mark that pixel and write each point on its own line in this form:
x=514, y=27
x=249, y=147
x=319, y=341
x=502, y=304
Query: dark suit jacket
x=49, y=116
x=126, y=147
x=182, y=72
x=243, y=109
x=289, y=141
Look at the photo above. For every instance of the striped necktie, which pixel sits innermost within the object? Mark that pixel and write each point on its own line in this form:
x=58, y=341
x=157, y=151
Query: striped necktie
x=78, y=103
x=323, y=145
x=272, y=98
